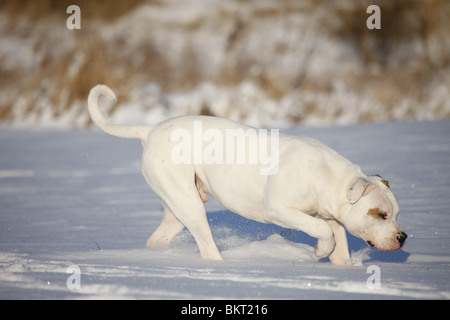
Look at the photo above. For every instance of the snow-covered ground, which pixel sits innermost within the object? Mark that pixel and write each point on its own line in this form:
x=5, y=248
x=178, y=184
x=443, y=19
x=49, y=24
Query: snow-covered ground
x=77, y=198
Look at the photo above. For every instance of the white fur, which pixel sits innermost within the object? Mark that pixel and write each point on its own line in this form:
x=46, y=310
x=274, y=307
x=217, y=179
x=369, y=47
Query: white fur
x=315, y=190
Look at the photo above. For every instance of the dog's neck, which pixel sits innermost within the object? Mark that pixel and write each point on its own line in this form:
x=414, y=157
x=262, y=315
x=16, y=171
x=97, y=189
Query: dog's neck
x=338, y=202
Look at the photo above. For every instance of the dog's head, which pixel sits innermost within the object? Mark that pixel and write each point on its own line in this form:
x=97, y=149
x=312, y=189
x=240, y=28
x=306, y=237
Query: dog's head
x=372, y=214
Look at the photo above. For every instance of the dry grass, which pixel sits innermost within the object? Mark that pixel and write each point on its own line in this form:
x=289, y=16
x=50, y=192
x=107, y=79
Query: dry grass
x=44, y=9
x=66, y=78
x=401, y=60
x=398, y=59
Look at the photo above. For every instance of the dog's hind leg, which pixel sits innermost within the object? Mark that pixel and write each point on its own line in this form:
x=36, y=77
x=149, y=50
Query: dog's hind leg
x=169, y=228
x=193, y=216
x=183, y=200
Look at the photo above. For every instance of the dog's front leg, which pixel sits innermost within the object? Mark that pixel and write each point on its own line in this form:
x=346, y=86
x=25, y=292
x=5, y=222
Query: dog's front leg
x=292, y=218
x=325, y=246
x=340, y=255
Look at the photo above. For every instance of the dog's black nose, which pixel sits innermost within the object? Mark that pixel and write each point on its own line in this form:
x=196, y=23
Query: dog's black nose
x=401, y=238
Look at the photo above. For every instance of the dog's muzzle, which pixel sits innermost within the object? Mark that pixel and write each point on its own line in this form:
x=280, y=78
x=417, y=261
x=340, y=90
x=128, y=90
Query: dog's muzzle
x=401, y=237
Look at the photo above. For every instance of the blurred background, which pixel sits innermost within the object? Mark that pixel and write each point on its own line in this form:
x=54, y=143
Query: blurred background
x=274, y=63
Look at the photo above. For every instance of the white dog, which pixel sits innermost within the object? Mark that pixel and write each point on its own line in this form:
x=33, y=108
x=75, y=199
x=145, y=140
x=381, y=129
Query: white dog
x=303, y=185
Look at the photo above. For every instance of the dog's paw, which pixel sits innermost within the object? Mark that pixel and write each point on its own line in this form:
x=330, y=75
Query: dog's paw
x=340, y=257
x=340, y=261
x=324, y=247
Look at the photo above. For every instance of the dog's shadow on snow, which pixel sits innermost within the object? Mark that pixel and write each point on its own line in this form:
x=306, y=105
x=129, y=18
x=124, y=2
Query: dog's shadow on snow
x=252, y=230
x=225, y=223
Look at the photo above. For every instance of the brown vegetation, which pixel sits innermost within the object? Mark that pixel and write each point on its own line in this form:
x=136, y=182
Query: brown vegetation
x=401, y=63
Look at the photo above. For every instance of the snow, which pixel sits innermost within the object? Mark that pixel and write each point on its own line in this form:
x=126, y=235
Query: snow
x=77, y=198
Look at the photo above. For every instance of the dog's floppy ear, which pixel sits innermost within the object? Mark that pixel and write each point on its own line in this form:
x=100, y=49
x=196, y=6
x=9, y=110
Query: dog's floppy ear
x=360, y=188
x=383, y=181
x=386, y=183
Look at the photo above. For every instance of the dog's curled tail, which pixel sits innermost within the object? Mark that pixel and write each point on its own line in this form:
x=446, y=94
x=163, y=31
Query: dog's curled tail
x=137, y=132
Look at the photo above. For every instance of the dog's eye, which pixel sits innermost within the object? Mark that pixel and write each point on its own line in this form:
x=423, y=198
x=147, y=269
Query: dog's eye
x=383, y=216
x=377, y=213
